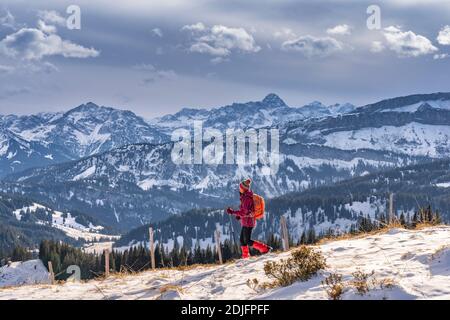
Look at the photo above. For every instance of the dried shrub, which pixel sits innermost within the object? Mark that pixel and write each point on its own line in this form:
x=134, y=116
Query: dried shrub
x=334, y=286
x=254, y=284
x=361, y=281
x=386, y=283
x=303, y=264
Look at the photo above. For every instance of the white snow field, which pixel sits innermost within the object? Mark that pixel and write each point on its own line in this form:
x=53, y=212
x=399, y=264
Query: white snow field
x=417, y=262
x=24, y=273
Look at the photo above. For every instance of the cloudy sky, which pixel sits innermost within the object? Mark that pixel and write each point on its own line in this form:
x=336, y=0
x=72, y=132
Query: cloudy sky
x=155, y=57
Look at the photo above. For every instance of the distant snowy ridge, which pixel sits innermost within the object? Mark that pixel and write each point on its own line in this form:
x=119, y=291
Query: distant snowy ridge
x=270, y=111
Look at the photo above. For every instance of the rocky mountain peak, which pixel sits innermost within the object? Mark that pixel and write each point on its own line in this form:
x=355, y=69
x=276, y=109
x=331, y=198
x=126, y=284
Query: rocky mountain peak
x=274, y=100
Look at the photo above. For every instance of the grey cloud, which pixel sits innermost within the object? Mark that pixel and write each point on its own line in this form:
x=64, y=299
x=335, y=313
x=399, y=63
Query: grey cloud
x=194, y=27
x=6, y=69
x=9, y=21
x=52, y=17
x=203, y=47
x=311, y=46
x=407, y=43
x=34, y=44
x=440, y=56
x=341, y=30
x=377, y=46
x=9, y=92
x=46, y=27
x=152, y=74
x=444, y=36
x=157, y=32
x=28, y=68
x=220, y=41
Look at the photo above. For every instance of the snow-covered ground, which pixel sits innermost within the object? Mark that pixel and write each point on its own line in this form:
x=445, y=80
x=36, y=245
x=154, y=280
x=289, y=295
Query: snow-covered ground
x=416, y=262
x=98, y=247
x=23, y=273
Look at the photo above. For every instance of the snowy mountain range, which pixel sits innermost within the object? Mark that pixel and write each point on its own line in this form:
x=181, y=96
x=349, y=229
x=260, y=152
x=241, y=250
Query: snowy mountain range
x=270, y=111
x=48, y=138
x=138, y=183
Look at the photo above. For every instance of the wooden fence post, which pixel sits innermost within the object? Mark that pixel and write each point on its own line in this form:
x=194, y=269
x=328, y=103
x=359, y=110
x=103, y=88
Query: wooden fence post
x=107, y=262
x=219, y=249
x=284, y=233
x=391, y=208
x=52, y=274
x=152, y=248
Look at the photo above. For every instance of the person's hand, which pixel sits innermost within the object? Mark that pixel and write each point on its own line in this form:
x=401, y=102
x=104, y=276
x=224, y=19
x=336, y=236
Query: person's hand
x=229, y=210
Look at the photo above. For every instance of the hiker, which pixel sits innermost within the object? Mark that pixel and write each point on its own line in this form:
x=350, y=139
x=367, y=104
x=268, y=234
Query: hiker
x=246, y=214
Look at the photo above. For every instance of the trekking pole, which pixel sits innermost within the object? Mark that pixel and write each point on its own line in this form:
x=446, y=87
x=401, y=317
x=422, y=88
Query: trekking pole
x=232, y=229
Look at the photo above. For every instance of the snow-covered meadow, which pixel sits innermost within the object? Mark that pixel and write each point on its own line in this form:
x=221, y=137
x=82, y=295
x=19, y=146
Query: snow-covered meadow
x=415, y=262
x=66, y=223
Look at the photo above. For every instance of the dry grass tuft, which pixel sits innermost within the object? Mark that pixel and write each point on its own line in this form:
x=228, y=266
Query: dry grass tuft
x=436, y=254
x=361, y=281
x=334, y=286
x=170, y=287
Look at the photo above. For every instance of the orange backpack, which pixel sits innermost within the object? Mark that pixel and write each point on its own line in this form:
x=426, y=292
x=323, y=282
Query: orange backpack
x=259, y=206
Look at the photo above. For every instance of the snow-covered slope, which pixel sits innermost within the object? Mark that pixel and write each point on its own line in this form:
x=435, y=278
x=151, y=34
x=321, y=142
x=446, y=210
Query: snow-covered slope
x=65, y=222
x=416, y=264
x=24, y=273
x=17, y=153
x=413, y=138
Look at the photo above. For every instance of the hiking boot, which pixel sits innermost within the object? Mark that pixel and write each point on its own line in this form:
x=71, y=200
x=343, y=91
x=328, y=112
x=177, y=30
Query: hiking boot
x=261, y=247
x=245, y=252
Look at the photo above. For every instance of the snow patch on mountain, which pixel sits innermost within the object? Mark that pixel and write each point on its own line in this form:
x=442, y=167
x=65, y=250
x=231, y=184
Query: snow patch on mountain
x=65, y=222
x=32, y=209
x=414, y=138
x=85, y=174
x=301, y=221
x=436, y=104
x=443, y=184
x=316, y=163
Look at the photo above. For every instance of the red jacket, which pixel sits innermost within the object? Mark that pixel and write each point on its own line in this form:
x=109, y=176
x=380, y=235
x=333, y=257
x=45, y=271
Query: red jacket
x=247, y=209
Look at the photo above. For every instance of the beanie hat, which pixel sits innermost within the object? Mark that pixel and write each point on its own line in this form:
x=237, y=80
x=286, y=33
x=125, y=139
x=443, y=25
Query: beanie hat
x=245, y=184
